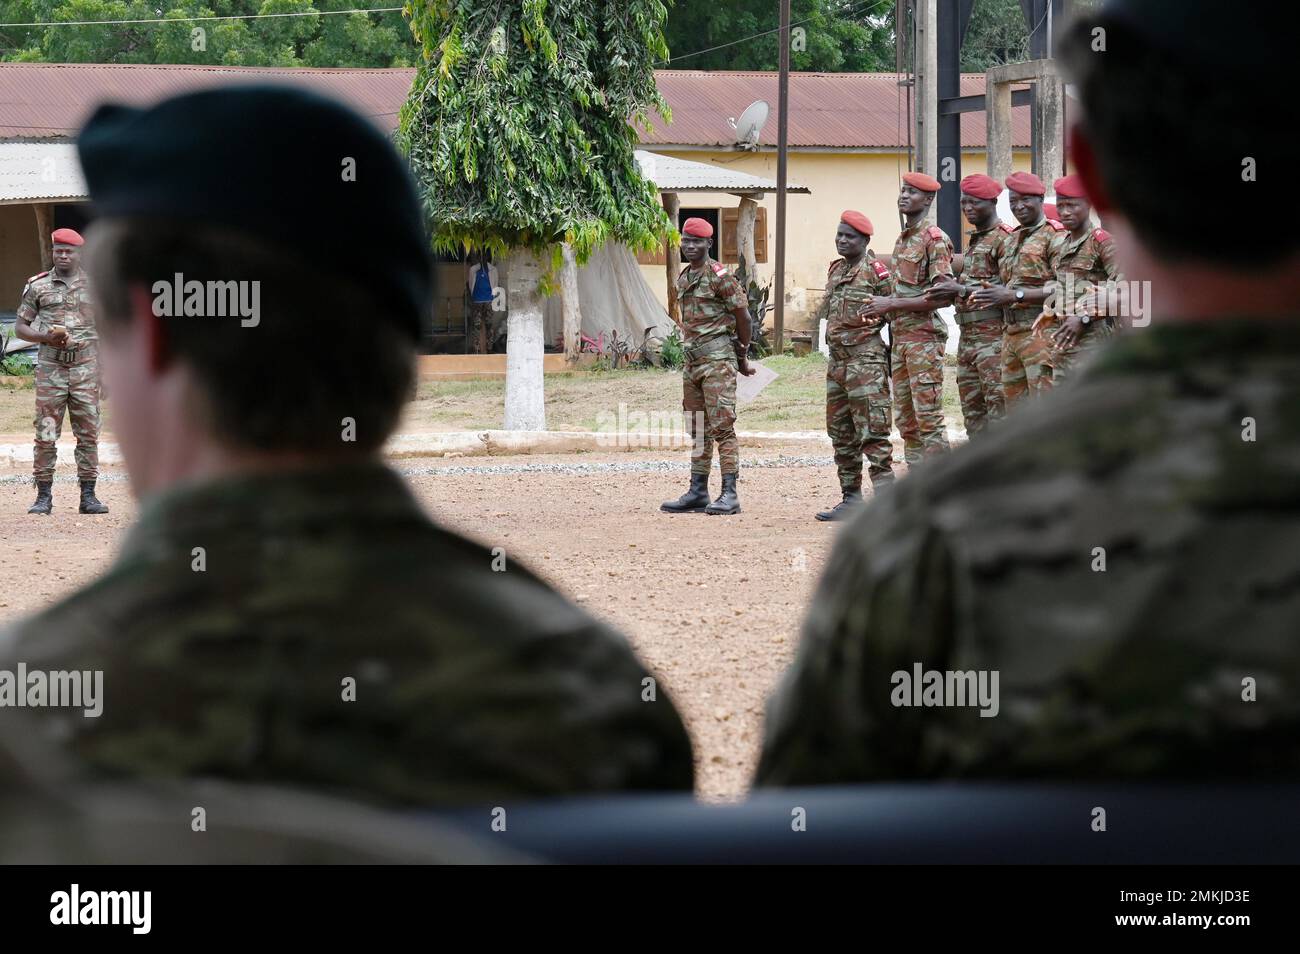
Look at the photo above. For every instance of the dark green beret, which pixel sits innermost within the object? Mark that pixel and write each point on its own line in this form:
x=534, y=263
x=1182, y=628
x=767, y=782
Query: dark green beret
x=279, y=164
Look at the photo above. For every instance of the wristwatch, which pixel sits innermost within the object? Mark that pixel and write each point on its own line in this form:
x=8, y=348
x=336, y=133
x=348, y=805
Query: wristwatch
x=1085, y=318
x=1020, y=294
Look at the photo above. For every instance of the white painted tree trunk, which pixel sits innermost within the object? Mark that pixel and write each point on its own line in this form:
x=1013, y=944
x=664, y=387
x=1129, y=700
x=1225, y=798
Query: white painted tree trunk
x=525, y=346
x=745, y=237
x=569, y=302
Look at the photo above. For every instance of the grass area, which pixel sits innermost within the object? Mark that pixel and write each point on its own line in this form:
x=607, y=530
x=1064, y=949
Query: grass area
x=795, y=401
x=18, y=407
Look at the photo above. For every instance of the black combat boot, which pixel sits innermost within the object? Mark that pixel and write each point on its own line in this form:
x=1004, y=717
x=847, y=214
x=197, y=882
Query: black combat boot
x=727, y=502
x=89, y=502
x=44, y=498
x=844, y=509
x=694, y=500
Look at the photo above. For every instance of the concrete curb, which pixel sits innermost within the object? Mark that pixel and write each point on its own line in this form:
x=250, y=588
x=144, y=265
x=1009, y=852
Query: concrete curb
x=492, y=443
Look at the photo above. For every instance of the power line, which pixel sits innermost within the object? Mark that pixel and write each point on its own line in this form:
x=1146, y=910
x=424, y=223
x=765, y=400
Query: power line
x=756, y=36
x=238, y=16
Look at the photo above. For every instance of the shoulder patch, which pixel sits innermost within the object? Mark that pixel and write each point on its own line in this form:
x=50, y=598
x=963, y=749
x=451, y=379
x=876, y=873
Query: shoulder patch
x=879, y=268
x=1101, y=235
x=934, y=232
x=719, y=268
x=36, y=276
x=1056, y=226
x=1005, y=228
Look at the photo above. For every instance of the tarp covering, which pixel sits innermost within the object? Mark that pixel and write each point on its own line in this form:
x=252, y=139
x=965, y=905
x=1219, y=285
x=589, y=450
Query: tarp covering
x=613, y=296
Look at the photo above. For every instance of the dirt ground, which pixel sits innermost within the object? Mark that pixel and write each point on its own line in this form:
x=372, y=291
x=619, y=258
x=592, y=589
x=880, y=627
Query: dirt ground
x=711, y=604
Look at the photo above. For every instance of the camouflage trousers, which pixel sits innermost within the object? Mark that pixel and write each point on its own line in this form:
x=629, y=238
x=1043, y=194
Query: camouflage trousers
x=75, y=387
x=918, y=396
x=1026, y=363
x=480, y=332
x=979, y=373
x=858, y=413
x=1066, y=361
x=709, y=400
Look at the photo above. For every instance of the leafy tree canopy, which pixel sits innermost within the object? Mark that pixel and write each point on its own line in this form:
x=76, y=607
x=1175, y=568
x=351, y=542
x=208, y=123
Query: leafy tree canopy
x=344, y=40
x=838, y=35
x=517, y=126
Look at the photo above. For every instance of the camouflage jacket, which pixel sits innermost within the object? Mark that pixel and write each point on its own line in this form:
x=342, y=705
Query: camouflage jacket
x=468, y=684
x=708, y=296
x=922, y=257
x=847, y=290
x=990, y=559
x=49, y=300
x=1029, y=261
x=983, y=261
x=1083, y=264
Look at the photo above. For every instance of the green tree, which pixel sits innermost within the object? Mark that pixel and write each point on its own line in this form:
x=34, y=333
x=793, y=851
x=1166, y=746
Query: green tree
x=345, y=40
x=519, y=132
x=838, y=35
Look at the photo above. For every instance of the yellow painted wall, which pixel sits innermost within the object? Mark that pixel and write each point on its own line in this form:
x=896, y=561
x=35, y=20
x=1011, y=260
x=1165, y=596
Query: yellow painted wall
x=867, y=182
x=20, y=254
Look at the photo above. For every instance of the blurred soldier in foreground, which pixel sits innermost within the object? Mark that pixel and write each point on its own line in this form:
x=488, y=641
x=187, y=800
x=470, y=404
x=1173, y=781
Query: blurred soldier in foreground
x=1122, y=555
x=922, y=258
x=713, y=304
x=284, y=612
x=979, y=352
x=857, y=375
x=57, y=311
x=1086, y=273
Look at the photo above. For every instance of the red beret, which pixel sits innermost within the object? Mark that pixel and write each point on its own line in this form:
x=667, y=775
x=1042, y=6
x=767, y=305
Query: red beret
x=857, y=220
x=697, y=227
x=1070, y=187
x=66, y=237
x=981, y=186
x=1026, y=183
x=919, y=180
x=1049, y=210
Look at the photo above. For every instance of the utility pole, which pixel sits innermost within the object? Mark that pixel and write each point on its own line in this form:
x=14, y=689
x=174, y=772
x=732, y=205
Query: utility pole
x=900, y=35
x=927, y=90
x=782, y=147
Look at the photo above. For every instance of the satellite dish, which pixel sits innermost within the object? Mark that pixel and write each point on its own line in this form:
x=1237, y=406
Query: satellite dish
x=750, y=125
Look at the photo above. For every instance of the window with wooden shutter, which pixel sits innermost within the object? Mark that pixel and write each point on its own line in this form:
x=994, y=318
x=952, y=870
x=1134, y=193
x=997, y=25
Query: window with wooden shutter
x=729, y=252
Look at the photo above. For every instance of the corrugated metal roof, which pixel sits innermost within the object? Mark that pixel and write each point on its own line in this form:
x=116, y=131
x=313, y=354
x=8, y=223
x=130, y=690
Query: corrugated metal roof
x=31, y=171
x=846, y=110
x=52, y=100
x=671, y=174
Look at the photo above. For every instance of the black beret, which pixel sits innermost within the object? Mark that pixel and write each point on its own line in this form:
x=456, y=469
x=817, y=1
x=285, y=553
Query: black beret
x=279, y=164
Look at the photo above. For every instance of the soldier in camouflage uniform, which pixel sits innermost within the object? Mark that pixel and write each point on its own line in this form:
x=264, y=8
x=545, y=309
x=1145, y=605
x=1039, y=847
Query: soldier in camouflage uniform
x=1086, y=272
x=979, y=353
x=1028, y=271
x=922, y=259
x=56, y=310
x=284, y=612
x=857, y=375
x=713, y=304
x=1123, y=555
